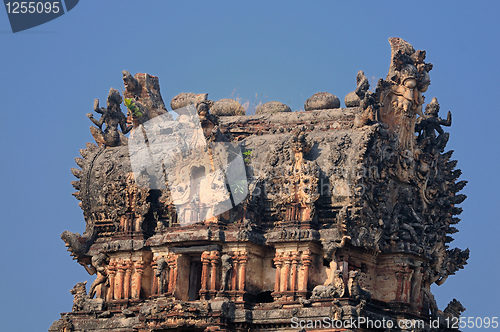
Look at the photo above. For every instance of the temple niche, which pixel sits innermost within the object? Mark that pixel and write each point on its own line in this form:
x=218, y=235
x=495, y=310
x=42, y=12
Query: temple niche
x=203, y=219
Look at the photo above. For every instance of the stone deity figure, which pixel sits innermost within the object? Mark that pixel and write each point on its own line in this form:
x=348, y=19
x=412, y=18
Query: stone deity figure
x=160, y=273
x=112, y=116
x=431, y=122
x=401, y=94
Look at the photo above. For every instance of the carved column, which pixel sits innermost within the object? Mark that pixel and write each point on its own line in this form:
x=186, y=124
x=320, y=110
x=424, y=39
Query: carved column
x=404, y=284
x=205, y=261
x=234, y=276
x=137, y=280
x=243, y=271
x=118, y=292
x=126, y=281
x=286, y=272
x=111, y=276
x=306, y=262
x=277, y=263
x=172, y=280
x=214, y=260
x=293, y=277
x=416, y=285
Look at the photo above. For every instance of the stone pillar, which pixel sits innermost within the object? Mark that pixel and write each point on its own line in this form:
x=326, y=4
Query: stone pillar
x=234, y=276
x=155, y=288
x=118, y=291
x=277, y=263
x=172, y=280
x=286, y=272
x=137, y=280
x=416, y=285
x=214, y=260
x=243, y=271
x=404, y=284
x=127, y=281
x=111, y=276
x=205, y=260
x=306, y=262
x=293, y=276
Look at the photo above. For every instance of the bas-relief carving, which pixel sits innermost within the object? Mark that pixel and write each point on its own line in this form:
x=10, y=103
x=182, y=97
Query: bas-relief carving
x=291, y=182
x=401, y=199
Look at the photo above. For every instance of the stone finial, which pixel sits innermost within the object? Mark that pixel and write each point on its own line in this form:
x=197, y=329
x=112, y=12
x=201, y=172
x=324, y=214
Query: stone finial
x=272, y=107
x=227, y=107
x=184, y=99
x=321, y=101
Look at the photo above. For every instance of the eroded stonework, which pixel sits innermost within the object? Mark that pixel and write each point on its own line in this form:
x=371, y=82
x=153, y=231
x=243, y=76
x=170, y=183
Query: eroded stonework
x=349, y=213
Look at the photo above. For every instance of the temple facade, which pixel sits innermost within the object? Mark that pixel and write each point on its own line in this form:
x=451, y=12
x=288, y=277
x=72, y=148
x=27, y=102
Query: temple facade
x=331, y=219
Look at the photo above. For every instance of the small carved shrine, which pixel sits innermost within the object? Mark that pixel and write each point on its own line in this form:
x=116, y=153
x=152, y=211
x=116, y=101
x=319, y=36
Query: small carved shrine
x=209, y=220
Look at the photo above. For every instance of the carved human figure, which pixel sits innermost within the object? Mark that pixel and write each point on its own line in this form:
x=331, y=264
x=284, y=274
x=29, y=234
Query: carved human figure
x=112, y=116
x=99, y=262
x=227, y=265
x=431, y=122
x=405, y=219
x=330, y=248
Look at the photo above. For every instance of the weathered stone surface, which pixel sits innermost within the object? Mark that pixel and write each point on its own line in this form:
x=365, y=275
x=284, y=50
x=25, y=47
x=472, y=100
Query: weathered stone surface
x=184, y=99
x=321, y=101
x=348, y=213
x=272, y=107
x=352, y=100
x=227, y=107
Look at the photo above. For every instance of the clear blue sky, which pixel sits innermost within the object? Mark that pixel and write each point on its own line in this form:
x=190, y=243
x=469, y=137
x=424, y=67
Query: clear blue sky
x=275, y=50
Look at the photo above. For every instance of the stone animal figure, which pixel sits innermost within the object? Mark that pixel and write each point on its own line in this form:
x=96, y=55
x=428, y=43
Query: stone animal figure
x=79, y=291
x=355, y=290
x=454, y=309
x=335, y=289
x=82, y=301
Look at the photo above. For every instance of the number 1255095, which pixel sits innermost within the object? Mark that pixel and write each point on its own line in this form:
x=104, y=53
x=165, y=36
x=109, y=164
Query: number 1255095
x=33, y=7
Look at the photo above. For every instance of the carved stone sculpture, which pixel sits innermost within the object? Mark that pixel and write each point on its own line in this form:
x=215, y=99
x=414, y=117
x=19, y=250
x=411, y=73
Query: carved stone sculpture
x=345, y=204
x=160, y=273
x=334, y=290
x=79, y=291
x=401, y=93
x=113, y=117
x=99, y=263
x=355, y=290
x=353, y=99
x=82, y=301
x=227, y=265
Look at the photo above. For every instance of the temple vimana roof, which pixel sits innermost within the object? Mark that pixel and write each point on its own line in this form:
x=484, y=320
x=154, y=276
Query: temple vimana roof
x=203, y=218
